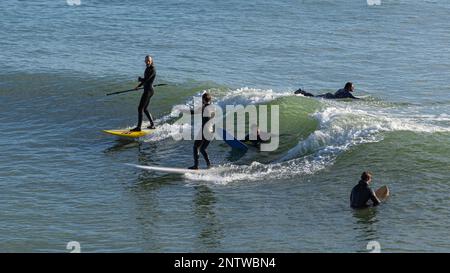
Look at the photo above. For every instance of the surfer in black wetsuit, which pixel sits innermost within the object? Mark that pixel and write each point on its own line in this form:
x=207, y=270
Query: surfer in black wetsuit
x=147, y=82
x=255, y=142
x=344, y=93
x=362, y=193
x=202, y=142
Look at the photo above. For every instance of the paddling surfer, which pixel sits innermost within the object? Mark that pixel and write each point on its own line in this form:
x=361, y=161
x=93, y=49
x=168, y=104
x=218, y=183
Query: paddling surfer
x=202, y=142
x=343, y=93
x=147, y=82
x=362, y=193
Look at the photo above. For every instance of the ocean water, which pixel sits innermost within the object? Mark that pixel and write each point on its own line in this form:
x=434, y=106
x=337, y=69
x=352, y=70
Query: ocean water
x=62, y=179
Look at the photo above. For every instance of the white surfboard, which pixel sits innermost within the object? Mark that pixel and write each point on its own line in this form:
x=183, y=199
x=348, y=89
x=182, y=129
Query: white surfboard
x=166, y=169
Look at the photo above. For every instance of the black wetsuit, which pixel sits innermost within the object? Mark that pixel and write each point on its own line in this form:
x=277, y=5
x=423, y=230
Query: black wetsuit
x=344, y=94
x=361, y=194
x=255, y=142
x=147, y=82
x=200, y=145
x=340, y=94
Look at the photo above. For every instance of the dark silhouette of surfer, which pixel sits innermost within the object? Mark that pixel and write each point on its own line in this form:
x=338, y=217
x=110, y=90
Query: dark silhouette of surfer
x=344, y=93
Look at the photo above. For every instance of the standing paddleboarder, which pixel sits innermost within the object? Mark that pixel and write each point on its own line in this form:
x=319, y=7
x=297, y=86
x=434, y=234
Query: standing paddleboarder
x=147, y=82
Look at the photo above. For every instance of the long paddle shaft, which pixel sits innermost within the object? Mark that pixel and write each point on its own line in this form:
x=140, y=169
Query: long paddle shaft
x=129, y=90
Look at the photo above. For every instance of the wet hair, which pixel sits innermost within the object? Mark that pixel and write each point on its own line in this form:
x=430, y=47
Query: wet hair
x=348, y=86
x=366, y=176
x=149, y=57
x=206, y=97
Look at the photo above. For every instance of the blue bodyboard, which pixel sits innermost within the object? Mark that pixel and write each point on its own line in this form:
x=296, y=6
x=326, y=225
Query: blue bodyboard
x=231, y=140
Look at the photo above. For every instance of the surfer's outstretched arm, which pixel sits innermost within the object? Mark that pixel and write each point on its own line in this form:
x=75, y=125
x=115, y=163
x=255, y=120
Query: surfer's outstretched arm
x=353, y=97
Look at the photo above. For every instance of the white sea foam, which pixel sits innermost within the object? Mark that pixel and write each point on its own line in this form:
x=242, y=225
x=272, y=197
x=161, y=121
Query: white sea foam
x=344, y=126
x=248, y=95
x=259, y=172
x=167, y=131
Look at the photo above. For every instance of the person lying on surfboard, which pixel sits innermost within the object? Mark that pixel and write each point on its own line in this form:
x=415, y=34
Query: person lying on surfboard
x=255, y=142
x=343, y=93
x=362, y=193
x=147, y=82
x=202, y=141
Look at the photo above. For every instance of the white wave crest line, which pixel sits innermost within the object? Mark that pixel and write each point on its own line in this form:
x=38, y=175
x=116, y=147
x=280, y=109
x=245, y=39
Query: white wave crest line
x=338, y=130
x=243, y=96
x=246, y=95
x=258, y=172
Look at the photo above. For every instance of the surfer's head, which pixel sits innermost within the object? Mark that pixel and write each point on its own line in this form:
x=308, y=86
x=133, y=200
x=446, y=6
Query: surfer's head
x=148, y=60
x=349, y=87
x=366, y=177
x=206, y=98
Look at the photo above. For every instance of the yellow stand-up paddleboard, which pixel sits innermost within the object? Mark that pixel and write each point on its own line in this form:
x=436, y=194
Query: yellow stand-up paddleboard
x=382, y=193
x=129, y=134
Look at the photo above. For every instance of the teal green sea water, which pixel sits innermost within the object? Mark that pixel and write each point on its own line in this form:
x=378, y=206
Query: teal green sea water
x=62, y=179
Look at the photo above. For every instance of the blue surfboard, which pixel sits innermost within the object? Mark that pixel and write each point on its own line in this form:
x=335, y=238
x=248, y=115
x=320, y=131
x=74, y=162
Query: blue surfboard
x=231, y=140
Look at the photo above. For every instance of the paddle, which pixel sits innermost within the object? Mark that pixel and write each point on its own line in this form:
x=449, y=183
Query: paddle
x=129, y=90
